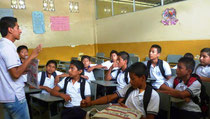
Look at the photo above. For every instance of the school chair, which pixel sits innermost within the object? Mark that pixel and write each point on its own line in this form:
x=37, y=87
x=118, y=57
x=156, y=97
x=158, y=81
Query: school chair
x=147, y=58
x=173, y=72
x=173, y=59
x=207, y=86
x=100, y=54
x=165, y=106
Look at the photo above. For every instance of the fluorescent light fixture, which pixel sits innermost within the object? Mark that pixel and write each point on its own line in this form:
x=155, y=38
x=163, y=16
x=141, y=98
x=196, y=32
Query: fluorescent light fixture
x=18, y=4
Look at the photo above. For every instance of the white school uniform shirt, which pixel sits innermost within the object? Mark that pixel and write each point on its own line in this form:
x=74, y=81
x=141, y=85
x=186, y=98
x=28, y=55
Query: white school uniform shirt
x=135, y=100
x=90, y=75
x=9, y=87
x=155, y=73
x=121, y=80
x=203, y=71
x=107, y=64
x=194, y=89
x=73, y=90
x=49, y=82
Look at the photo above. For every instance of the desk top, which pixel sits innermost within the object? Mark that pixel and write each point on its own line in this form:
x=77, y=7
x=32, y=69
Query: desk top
x=46, y=97
x=106, y=83
x=30, y=90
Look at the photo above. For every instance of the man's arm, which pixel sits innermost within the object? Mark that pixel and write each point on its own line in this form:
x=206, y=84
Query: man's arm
x=99, y=66
x=45, y=88
x=55, y=92
x=16, y=72
x=57, y=78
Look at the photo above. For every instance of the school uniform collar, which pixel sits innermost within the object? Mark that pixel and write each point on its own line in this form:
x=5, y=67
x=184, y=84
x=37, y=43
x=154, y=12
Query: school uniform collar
x=87, y=68
x=80, y=80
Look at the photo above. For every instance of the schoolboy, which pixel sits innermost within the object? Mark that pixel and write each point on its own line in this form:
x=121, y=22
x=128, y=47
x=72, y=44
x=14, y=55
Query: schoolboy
x=186, y=87
x=46, y=79
x=138, y=75
x=203, y=69
x=190, y=55
x=72, y=92
x=12, y=95
x=157, y=69
x=122, y=76
x=87, y=64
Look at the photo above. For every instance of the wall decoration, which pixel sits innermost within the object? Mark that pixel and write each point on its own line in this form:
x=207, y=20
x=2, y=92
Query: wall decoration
x=169, y=17
x=6, y=12
x=38, y=22
x=59, y=23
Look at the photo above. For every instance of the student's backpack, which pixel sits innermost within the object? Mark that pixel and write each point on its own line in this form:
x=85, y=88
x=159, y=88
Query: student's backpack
x=126, y=75
x=44, y=76
x=160, y=65
x=204, y=103
x=146, y=98
x=82, y=86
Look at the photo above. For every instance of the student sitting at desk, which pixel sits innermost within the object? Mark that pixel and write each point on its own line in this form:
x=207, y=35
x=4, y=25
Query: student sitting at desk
x=134, y=94
x=157, y=69
x=203, y=69
x=75, y=88
x=186, y=87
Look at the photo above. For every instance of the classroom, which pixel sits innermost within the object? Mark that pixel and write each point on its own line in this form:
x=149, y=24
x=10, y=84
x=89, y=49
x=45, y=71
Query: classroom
x=73, y=33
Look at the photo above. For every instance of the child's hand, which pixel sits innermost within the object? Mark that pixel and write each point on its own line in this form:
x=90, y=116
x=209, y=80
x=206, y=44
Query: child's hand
x=66, y=97
x=85, y=77
x=104, y=67
x=36, y=51
x=57, y=79
x=187, y=99
x=83, y=103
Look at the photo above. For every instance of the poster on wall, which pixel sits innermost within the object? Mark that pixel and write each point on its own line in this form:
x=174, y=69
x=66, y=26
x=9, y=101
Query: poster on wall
x=169, y=17
x=38, y=22
x=32, y=74
x=6, y=12
x=59, y=23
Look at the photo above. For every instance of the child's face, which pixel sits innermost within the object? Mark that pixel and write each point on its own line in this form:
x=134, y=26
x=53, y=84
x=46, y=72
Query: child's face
x=121, y=62
x=23, y=54
x=86, y=62
x=153, y=53
x=73, y=71
x=135, y=81
x=50, y=68
x=204, y=58
x=113, y=56
x=182, y=70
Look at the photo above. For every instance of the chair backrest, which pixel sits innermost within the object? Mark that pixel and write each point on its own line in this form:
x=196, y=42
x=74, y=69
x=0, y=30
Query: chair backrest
x=173, y=72
x=207, y=85
x=100, y=54
x=173, y=58
x=133, y=60
x=99, y=74
x=165, y=104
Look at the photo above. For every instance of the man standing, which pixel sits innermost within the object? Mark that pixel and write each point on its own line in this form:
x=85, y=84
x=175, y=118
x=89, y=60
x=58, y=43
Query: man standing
x=11, y=86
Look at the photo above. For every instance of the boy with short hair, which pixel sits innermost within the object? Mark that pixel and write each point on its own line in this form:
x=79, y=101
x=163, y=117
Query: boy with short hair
x=185, y=86
x=75, y=88
x=138, y=75
x=157, y=69
x=46, y=79
x=121, y=76
x=203, y=69
x=87, y=64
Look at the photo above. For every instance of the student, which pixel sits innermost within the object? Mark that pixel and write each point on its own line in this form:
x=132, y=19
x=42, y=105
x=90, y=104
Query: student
x=157, y=69
x=186, y=87
x=138, y=75
x=106, y=65
x=75, y=88
x=46, y=79
x=12, y=95
x=89, y=76
x=190, y=55
x=203, y=69
x=122, y=76
x=23, y=54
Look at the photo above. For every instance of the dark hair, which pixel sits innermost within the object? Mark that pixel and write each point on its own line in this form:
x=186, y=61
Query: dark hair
x=207, y=50
x=21, y=47
x=124, y=55
x=188, y=62
x=113, y=51
x=190, y=55
x=52, y=62
x=78, y=64
x=85, y=56
x=157, y=46
x=139, y=69
x=5, y=23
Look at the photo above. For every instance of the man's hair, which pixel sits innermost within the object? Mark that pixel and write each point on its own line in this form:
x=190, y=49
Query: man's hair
x=52, y=62
x=188, y=62
x=85, y=56
x=139, y=69
x=21, y=47
x=157, y=46
x=207, y=50
x=78, y=64
x=189, y=55
x=113, y=51
x=124, y=55
x=5, y=23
